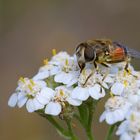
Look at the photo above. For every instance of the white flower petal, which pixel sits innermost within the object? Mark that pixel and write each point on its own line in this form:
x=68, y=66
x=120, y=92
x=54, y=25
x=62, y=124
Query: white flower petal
x=22, y=101
x=117, y=88
x=114, y=70
x=30, y=106
x=54, y=70
x=133, y=98
x=110, y=118
x=53, y=109
x=102, y=117
x=63, y=77
x=108, y=79
x=21, y=95
x=137, y=137
x=42, y=100
x=41, y=83
x=50, y=92
x=122, y=128
x=80, y=93
x=37, y=104
x=72, y=82
x=118, y=115
x=125, y=136
x=45, y=95
x=74, y=102
x=41, y=75
x=74, y=78
x=105, y=85
x=96, y=92
x=138, y=92
x=13, y=100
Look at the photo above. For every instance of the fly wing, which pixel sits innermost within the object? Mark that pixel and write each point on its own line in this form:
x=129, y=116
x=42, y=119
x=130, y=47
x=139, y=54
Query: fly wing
x=133, y=53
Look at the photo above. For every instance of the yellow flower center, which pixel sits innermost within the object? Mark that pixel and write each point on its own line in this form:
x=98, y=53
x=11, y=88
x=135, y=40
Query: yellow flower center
x=30, y=87
x=61, y=92
x=132, y=117
x=53, y=52
x=125, y=83
x=66, y=62
x=22, y=80
x=45, y=61
x=32, y=82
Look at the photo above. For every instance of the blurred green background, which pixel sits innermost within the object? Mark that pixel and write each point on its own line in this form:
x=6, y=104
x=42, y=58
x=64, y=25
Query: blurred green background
x=30, y=29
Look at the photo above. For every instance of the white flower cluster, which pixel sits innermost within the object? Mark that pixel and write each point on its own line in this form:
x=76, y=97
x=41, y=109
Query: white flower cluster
x=59, y=84
x=124, y=105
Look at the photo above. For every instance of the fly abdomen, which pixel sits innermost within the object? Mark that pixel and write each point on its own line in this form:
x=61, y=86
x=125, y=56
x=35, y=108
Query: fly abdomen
x=130, y=52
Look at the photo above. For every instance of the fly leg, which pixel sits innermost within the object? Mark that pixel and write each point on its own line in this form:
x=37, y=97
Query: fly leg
x=97, y=69
x=96, y=66
x=88, y=78
x=127, y=64
x=104, y=64
x=126, y=68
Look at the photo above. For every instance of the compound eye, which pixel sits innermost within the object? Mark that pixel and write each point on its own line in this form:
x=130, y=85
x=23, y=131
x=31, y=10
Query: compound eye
x=89, y=53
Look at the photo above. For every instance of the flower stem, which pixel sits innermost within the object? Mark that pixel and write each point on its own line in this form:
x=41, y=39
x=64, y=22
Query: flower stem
x=85, y=117
x=91, y=108
x=89, y=134
x=57, y=126
x=60, y=129
x=73, y=137
x=110, y=132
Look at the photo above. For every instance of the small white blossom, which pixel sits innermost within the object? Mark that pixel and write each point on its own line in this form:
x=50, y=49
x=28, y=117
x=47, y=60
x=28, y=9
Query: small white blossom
x=125, y=82
x=62, y=95
x=52, y=67
x=91, y=84
x=116, y=109
x=130, y=128
x=33, y=93
x=59, y=58
x=68, y=73
x=62, y=67
x=46, y=71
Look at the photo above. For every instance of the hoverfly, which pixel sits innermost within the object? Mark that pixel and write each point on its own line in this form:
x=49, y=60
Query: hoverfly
x=104, y=51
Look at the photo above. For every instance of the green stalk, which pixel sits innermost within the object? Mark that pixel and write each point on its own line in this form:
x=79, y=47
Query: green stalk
x=60, y=129
x=110, y=132
x=88, y=129
x=89, y=134
x=86, y=111
x=72, y=135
